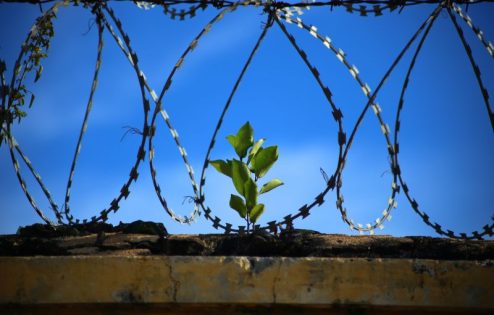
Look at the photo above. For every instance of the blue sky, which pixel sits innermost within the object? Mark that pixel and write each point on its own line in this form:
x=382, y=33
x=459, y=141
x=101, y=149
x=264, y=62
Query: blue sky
x=446, y=142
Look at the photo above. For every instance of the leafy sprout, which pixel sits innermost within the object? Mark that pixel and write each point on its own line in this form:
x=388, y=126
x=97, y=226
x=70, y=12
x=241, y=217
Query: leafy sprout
x=253, y=163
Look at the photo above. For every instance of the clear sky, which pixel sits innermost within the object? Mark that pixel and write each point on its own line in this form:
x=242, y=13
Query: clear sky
x=446, y=141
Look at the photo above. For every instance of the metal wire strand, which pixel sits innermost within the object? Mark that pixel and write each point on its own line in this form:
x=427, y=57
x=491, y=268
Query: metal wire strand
x=274, y=4
x=386, y=214
x=151, y=128
x=133, y=175
x=89, y=106
x=183, y=153
x=478, y=32
x=415, y=206
x=475, y=68
x=217, y=221
x=337, y=113
x=7, y=130
x=279, y=13
x=342, y=137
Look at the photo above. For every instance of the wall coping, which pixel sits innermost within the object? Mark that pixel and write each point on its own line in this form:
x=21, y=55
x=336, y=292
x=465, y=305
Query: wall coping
x=300, y=244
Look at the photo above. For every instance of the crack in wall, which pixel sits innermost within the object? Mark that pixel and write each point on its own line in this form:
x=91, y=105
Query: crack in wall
x=176, y=283
x=276, y=279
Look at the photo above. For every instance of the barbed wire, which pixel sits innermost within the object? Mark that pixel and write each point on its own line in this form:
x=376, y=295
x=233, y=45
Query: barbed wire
x=280, y=14
x=86, y=115
x=487, y=229
x=6, y=123
x=272, y=3
x=173, y=131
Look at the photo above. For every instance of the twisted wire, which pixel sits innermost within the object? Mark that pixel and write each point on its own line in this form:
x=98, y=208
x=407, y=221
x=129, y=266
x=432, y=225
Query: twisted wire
x=336, y=112
x=363, y=10
x=487, y=229
x=277, y=12
x=366, y=90
x=89, y=106
x=480, y=35
x=304, y=210
x=227, y=227
x=160, y=110
x=133, y=175
x=386, y=214
x=14, y=145
x=124, y=192
x=475, y=68
x=7, y=132
x=182, y=14
x=273, y=4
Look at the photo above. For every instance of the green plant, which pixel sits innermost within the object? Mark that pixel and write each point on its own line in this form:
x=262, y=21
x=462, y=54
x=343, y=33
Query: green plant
x=253, y=164
x=36, y=49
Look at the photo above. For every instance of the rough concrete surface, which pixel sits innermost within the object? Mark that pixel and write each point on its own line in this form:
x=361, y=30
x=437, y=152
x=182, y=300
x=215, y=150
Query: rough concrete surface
x=247, y=280
x=292, y=245
x=140, y=269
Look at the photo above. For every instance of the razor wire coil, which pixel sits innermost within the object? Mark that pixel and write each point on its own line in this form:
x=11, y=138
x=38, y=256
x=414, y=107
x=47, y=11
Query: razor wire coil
x=279, y=13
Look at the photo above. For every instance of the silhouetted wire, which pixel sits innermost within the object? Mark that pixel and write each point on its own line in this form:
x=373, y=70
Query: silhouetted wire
x=141, y=153
x=7, y=130
x=276, y=11
x=487, y=229
x=89, y=106
x=273, y=4
x=207, y=211
x=386, y=214
x=475, y=68
x=159, y=109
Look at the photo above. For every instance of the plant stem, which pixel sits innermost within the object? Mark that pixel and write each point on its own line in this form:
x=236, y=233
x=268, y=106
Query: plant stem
x=248, y=222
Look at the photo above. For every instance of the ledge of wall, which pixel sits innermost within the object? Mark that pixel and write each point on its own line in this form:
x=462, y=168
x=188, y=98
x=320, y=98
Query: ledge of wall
x=299, y=244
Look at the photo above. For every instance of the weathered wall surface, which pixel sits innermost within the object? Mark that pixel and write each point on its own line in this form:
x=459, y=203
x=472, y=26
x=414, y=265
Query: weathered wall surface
x=144, y=274
x=310, y=281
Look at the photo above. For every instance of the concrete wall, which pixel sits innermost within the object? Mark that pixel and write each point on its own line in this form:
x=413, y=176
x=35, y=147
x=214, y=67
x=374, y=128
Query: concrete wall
x=243, y=285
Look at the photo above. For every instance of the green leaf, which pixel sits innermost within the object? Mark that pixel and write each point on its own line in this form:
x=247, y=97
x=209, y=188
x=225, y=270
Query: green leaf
x=250, y=193
x=272, y=184
x=237, y=203
x=240, y=175
x=38, y=73
x=256, y=212
x=222, y=167
x=244, y=140
x=31, y=101
x=263, y=160
x=255, y=149
x=233, y=140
